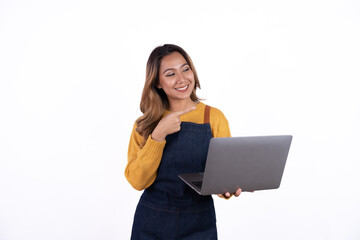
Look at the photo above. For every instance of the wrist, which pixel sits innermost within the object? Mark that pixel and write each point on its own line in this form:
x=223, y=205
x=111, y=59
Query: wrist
x=157, y=136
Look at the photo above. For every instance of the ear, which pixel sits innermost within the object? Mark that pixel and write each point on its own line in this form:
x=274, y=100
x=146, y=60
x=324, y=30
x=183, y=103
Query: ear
x=158, y=86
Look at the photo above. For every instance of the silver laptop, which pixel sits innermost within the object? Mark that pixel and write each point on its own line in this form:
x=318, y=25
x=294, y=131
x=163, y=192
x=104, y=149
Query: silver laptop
x=249, y=163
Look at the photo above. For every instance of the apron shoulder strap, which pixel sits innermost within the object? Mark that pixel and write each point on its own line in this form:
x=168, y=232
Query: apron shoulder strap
x=207, y=114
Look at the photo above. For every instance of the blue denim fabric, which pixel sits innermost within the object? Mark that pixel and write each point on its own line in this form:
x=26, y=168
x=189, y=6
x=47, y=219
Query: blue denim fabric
x=169, y=209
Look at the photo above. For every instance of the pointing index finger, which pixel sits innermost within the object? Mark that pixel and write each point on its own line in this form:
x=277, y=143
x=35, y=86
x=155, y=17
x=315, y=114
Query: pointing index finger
x=186, y=111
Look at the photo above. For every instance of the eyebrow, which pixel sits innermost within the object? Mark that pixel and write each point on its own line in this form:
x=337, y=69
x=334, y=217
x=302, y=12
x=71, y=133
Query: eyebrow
x=173, y=68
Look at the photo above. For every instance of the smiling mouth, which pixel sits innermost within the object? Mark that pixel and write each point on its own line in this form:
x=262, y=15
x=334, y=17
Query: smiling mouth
x=182, y=88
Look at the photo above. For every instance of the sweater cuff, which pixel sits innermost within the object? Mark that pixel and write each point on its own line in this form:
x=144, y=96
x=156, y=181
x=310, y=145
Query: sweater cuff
x=227, y=198
x=154, y=148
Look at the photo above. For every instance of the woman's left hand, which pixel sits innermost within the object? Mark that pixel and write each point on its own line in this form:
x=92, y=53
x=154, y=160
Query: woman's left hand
x=228, y=195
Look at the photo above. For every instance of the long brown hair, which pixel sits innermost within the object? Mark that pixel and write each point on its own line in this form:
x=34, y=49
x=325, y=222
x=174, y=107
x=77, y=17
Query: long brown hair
x=154, y=100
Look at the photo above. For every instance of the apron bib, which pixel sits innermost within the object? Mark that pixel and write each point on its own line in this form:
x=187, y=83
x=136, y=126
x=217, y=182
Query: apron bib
x=169, y=209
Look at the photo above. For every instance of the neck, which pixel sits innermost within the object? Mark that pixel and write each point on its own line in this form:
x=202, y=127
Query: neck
x=180, y=105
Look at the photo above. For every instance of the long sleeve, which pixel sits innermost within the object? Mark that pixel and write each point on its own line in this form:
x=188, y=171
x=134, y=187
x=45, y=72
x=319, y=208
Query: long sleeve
x=220, y=128
x=141, y=169
x=219, y=124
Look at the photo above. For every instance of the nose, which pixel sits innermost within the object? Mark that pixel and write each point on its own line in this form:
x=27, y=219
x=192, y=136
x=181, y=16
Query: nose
x=181, y=78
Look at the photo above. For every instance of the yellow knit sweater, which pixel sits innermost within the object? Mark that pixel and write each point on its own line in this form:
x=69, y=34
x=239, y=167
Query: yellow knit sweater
x=141, y=169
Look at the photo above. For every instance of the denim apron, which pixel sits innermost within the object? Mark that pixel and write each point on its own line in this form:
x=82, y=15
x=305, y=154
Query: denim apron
x=169, y=209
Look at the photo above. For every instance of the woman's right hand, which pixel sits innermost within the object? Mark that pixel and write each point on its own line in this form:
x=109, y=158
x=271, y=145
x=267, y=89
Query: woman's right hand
x=168, y=125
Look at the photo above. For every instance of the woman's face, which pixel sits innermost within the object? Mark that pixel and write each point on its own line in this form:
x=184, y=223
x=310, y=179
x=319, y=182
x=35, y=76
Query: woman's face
x=176, y=77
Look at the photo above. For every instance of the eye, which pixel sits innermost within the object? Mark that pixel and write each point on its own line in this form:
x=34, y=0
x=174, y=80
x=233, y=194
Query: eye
x=169, y=74
x=186, y=69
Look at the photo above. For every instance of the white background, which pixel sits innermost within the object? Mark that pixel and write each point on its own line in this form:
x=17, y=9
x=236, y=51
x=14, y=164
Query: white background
x=71, y=76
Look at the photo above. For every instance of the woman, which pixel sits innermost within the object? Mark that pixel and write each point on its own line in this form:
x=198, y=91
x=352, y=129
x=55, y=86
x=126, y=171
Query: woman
x=171, y=137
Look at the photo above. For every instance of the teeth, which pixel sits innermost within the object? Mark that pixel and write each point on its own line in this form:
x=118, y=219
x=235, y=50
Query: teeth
x=183, y=88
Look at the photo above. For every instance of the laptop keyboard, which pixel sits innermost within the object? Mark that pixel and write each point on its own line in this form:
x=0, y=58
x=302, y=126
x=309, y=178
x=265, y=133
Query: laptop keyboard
x=198, y=184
